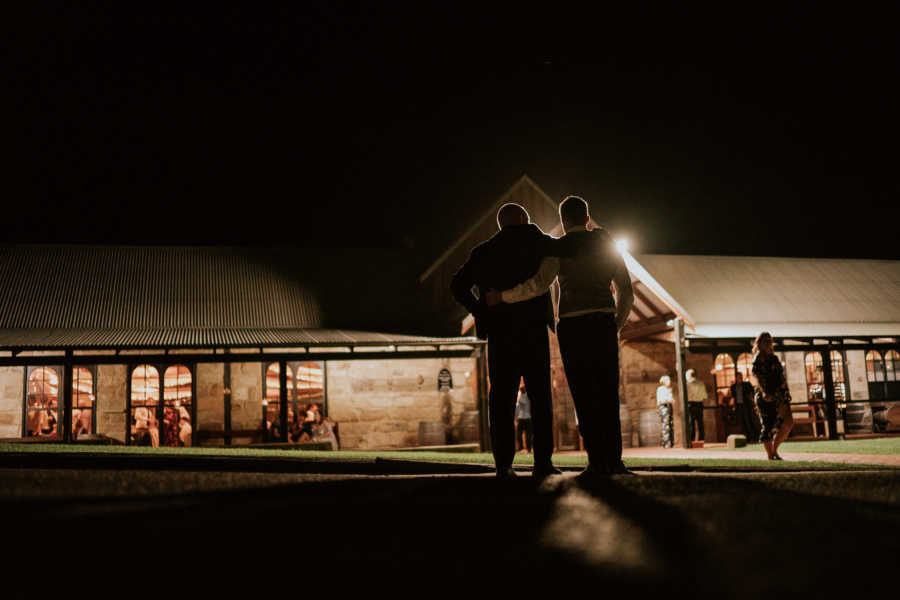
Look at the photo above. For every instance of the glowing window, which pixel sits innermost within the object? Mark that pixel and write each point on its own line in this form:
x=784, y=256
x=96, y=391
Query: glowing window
x=177, y=411
x=42, y=403
x=815, y=379
x=144, y=425
x=273, y=394
x=874, y=366
x=82, y=401
x=725, y=376
x=745, y=365
x=837, y=375
x=892, y=365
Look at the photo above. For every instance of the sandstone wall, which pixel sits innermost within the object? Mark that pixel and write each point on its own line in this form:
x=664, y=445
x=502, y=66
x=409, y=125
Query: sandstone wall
x=12, y=398
x=112, y=386
x=380, y=403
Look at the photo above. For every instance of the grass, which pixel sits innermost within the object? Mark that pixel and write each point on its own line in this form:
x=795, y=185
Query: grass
x=887, y=445
x=561, y=460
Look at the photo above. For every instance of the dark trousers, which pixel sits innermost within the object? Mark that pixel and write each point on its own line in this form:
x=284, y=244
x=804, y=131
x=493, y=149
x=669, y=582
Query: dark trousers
x=695, y=412
x=589, y=346
x=523, y=352
x=745, y=418
x=525, y=428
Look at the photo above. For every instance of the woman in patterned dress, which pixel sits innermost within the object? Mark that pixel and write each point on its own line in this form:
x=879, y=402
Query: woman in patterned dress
x=664, y=404
x=772, y=395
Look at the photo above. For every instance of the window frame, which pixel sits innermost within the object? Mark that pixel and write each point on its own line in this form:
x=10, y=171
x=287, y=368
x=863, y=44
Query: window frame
x=161, y=367
x=60, y=373
x=293, y=399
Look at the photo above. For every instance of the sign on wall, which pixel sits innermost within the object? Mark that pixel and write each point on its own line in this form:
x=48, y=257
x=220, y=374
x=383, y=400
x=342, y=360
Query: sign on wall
x=795, y=373
x=445, y=380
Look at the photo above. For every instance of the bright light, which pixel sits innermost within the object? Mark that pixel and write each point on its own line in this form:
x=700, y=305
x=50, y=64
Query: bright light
x=622, y=245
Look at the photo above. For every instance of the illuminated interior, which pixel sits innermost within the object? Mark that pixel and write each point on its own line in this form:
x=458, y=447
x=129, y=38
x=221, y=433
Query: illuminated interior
x=42, y=403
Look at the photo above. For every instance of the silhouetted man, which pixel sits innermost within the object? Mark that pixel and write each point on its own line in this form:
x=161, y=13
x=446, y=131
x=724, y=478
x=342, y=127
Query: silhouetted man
x=518, y=344
x=742, y=392
x=590, y=319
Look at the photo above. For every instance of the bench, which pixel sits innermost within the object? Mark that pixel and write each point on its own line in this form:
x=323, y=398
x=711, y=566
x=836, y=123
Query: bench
x=806, y=414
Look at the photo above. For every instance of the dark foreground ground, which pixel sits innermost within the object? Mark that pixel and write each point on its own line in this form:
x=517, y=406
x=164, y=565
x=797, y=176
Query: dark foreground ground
x=218, y=534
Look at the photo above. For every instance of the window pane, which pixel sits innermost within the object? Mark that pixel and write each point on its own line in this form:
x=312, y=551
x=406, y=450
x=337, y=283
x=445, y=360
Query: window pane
x=176, y=425
x=815, y=378
x=891, y=364
x=724, y=370
x=177, y=385
x=144, y=402
x=874, y=366
x=43, y=403
x=745, y=365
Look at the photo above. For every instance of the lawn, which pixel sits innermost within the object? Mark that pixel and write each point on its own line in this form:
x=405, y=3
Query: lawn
x=485, y=458
x=886, y=445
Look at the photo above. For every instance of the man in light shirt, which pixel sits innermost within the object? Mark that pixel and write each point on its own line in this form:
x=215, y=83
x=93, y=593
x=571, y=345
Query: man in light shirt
x=696, y=393
x=590, y=318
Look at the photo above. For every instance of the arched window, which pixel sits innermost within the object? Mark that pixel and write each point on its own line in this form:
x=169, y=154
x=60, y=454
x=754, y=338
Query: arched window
x=178, y=407
x=82, y=402
x=42, y=403
x=144, y=423
x=892, y=365
x=272, y=398
x=724, y=372
x=745, y=365
x=874, y=366
x=815, y=379
x=311, y=383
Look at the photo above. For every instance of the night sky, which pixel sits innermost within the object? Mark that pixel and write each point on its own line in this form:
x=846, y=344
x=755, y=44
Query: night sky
x=762, y=131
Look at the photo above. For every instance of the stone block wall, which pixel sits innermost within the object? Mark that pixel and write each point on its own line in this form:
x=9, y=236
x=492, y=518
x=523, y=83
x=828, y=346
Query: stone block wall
x=12, y=397
x=210, y=403
x=642, y=363
x=246, y=395
x=380, y=403
x=112, y=386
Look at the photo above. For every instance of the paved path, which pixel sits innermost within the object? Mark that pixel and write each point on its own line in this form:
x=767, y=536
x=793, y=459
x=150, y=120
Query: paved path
x=892, y=460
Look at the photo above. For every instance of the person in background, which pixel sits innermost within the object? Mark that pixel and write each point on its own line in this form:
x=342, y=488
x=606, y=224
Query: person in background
x=696, y=393
x=524, y=426
x=742, y=395
x=664, y=404
x=772, y=395
x=184, y=426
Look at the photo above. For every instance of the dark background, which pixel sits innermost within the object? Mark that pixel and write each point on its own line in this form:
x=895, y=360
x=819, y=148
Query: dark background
x=761, y=130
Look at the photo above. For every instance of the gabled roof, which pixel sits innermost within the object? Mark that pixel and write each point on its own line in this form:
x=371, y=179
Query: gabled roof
x=731, y=296
x=524, y=187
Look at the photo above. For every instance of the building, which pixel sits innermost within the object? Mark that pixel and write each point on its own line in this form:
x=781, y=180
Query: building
x=836, y=325
x=181, y=346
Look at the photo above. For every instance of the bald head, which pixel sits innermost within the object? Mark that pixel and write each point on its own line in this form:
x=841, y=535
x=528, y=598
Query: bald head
x=512, y=214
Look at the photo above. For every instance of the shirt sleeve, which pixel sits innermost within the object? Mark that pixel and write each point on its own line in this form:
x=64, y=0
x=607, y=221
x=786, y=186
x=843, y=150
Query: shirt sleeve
x=537, y=285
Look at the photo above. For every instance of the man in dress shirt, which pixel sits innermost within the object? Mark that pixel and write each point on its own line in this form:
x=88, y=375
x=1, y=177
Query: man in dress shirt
x=590, y=318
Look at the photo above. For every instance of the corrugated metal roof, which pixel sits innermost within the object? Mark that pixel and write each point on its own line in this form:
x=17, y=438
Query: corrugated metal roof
x=130, y=288
x=728, y=296
x=197, y=338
